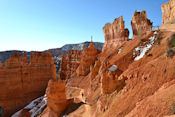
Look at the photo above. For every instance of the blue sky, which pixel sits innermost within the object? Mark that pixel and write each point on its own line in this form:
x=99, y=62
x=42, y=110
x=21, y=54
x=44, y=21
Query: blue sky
x=43, y=24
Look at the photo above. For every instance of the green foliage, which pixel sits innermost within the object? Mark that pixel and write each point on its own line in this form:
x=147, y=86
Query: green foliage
x=70, y=95
x=171, y=43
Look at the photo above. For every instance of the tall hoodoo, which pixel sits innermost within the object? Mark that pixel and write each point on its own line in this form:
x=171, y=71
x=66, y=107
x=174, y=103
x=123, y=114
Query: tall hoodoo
x=56, y=98
x=140, y=24
x=168, y=12
x=89, y=55
x=63, y=68
x=115, y=33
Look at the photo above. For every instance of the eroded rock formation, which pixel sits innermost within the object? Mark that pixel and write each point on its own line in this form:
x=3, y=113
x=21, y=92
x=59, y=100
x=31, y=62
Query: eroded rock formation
x=21, y=81
x=140, y=24
x=115, y=34
x=56, y=98
x=88, y=58
x=168, y=12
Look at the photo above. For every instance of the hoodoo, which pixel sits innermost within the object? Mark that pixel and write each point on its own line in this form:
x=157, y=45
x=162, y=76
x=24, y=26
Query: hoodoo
x=140, y=24
x=115, y=34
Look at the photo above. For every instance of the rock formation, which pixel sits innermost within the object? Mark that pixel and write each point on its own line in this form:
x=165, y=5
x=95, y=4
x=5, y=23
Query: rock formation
x=140, y=24
x=110, y=81
x=168, y=12
x=74, y=57
x=63, y=68
x=88, y=58
x=56, y=98
x=115, y=34
x=27, y=80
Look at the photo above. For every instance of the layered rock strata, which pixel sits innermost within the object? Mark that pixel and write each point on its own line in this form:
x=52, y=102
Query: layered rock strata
x=21, y=81
x=168, y=12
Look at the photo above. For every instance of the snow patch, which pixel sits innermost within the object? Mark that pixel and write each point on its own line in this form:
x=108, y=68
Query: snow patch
x=119, y=50
x=143, y=49
x=113, y=68
x=36, y=107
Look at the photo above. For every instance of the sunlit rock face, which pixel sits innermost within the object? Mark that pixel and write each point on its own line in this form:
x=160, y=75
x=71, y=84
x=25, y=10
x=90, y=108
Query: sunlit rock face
x=115, y=34
x=56, y=98
x=168, y=12
x=140, y=24
x=23, y=81
x=88, y=57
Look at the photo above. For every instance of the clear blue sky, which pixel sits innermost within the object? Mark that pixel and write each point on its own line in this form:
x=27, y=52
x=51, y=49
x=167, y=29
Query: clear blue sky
x=43, y=24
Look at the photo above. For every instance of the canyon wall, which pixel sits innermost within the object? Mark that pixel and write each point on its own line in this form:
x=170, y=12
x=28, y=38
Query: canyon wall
x=21, y=81
x=168, y=12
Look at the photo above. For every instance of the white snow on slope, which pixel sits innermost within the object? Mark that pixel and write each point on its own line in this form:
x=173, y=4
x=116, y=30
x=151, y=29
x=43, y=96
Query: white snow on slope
x=36, y=107
x=113, y=68
x=144, y=49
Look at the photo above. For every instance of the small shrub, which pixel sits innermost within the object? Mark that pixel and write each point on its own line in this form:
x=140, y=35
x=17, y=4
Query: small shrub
x=173, y=108
x=171, y=43
x=170, y=53
x=70, y=95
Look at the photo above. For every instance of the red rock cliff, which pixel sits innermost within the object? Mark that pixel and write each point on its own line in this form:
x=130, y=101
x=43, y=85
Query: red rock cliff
x=21, y=82
x=168, y=11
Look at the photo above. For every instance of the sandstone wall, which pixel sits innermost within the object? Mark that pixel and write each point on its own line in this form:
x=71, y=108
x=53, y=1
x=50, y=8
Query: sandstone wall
x=168, y=12
x=140, y=24
x=21, y=82
x=115, y=34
